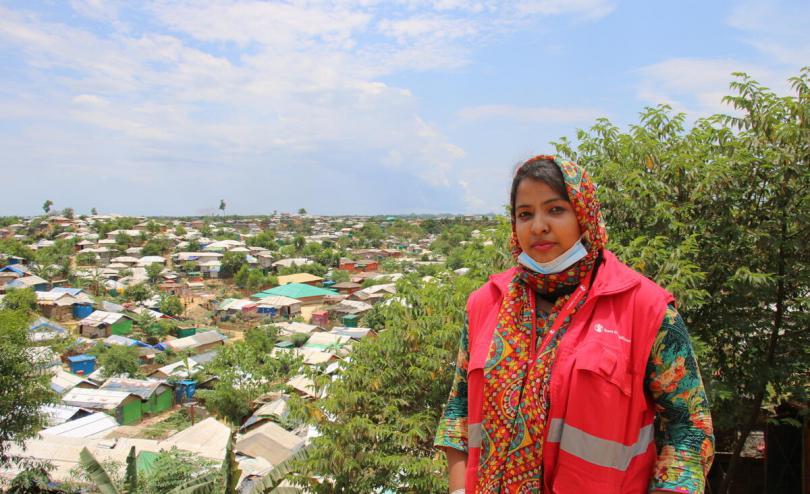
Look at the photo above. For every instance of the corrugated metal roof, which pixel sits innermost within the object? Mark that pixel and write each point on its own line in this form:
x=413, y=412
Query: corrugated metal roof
x=143, y=388
x=196, y=340
x=295, y=290
x=298, y=278
x=100, y=317
x=97, y=399
x=63, y=381
x=98, y=424
x=208, y=437
x=271, y=442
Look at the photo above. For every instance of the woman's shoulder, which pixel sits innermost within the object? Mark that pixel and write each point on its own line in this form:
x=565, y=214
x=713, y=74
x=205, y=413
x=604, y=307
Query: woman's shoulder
x=618, y=276
x=493, y=289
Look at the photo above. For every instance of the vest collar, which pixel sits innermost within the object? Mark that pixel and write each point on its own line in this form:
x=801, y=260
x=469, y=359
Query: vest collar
x=612, y=277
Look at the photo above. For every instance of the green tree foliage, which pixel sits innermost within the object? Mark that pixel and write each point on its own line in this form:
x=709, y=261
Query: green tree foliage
x=180, y=230
x=153, y=227
x=46, y=206
x=14, y=247
x=22, y=299
x=138, y=292
x=157, y=246
x=120, y=360
x=266, y=239
x=313, y=268
x=231, y=263
x=33, y=479
x=175, y=468
x=246, y=370
x=241, y=276
x=86, y=259
x=719, y=215
x=299, y=242
x=153, y=271
x=338, y=276
x=377, y=422
x=24, y=388
x=171, y=305
x=131, y=476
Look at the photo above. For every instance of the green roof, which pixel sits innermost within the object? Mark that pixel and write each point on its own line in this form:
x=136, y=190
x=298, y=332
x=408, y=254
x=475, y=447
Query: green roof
x=295, y=290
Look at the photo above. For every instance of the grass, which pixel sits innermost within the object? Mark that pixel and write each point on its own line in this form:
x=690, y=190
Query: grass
x=175, y=422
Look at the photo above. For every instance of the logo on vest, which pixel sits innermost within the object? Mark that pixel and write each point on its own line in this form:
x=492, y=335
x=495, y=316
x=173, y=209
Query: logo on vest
x=603, y=330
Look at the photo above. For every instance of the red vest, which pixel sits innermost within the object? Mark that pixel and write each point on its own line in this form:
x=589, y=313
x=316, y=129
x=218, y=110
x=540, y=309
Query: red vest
x=599, y=437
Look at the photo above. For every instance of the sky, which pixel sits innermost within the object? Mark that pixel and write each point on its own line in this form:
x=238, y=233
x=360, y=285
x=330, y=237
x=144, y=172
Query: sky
x=161, y=107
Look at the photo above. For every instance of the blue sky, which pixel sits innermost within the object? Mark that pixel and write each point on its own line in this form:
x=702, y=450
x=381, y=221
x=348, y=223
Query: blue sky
x=346, y=107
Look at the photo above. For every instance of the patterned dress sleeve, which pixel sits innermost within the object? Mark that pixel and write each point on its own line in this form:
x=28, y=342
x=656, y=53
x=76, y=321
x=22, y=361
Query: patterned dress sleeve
x=684, y=439
x=452, y=430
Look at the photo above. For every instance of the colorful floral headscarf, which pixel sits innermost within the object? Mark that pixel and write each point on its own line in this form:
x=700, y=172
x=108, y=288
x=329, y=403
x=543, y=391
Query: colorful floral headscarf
x=515, y=389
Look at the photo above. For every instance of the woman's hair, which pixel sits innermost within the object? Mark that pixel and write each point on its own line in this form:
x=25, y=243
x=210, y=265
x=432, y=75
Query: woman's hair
x=541, y=169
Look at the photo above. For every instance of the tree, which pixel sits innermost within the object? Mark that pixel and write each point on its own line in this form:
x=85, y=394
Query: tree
x=222, y=205
x=131, y=478
x=47, y=206
x=266, y=239
x=25, y=389
x=299, y=242
x=302, y=211
x=32, y=480
x=68, y=213
x=231, y=263
x=120, y=360
x=153, y=271
x=94, y=212
x=138, y=292
x=377, y=422
x=171, y=305
x=719, y=215
x=339, y=276
x=241, y=276
x=22, y=299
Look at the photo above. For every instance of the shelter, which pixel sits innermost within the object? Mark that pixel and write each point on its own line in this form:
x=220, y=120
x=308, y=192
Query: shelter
x=63, y=381
x=156, y=396
x=284, y=306
x=98, y=424
x=126, y=407
x=297, y=327
x=305, y=278
x=197, y=343
x=208, y=438
x=82, y=365
x=101, y=324
x=307, y=294
x=271, y=442
x=324, y=341
x=43, y=329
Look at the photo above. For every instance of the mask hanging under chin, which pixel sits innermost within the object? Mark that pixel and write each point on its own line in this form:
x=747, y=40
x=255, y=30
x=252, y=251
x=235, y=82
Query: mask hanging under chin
x=557, y=265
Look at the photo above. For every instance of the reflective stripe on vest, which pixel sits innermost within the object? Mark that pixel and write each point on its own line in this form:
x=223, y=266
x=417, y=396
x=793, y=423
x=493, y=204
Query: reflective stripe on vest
x=596, y=450
x=474, y=435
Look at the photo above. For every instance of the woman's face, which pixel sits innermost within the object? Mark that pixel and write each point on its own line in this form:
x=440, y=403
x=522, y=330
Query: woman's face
x=545, y=222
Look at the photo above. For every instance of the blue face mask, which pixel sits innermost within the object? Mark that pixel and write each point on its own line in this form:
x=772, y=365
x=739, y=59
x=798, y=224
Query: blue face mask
x=561, y=263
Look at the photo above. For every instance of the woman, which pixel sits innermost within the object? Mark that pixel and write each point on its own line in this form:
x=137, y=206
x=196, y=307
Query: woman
x=568, y=358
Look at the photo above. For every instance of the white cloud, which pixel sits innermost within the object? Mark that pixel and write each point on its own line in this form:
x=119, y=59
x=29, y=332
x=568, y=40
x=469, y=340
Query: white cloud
x=530, y=114
x=775, y=30
x=696, y=86
x=587, y=9
x=233, y=82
